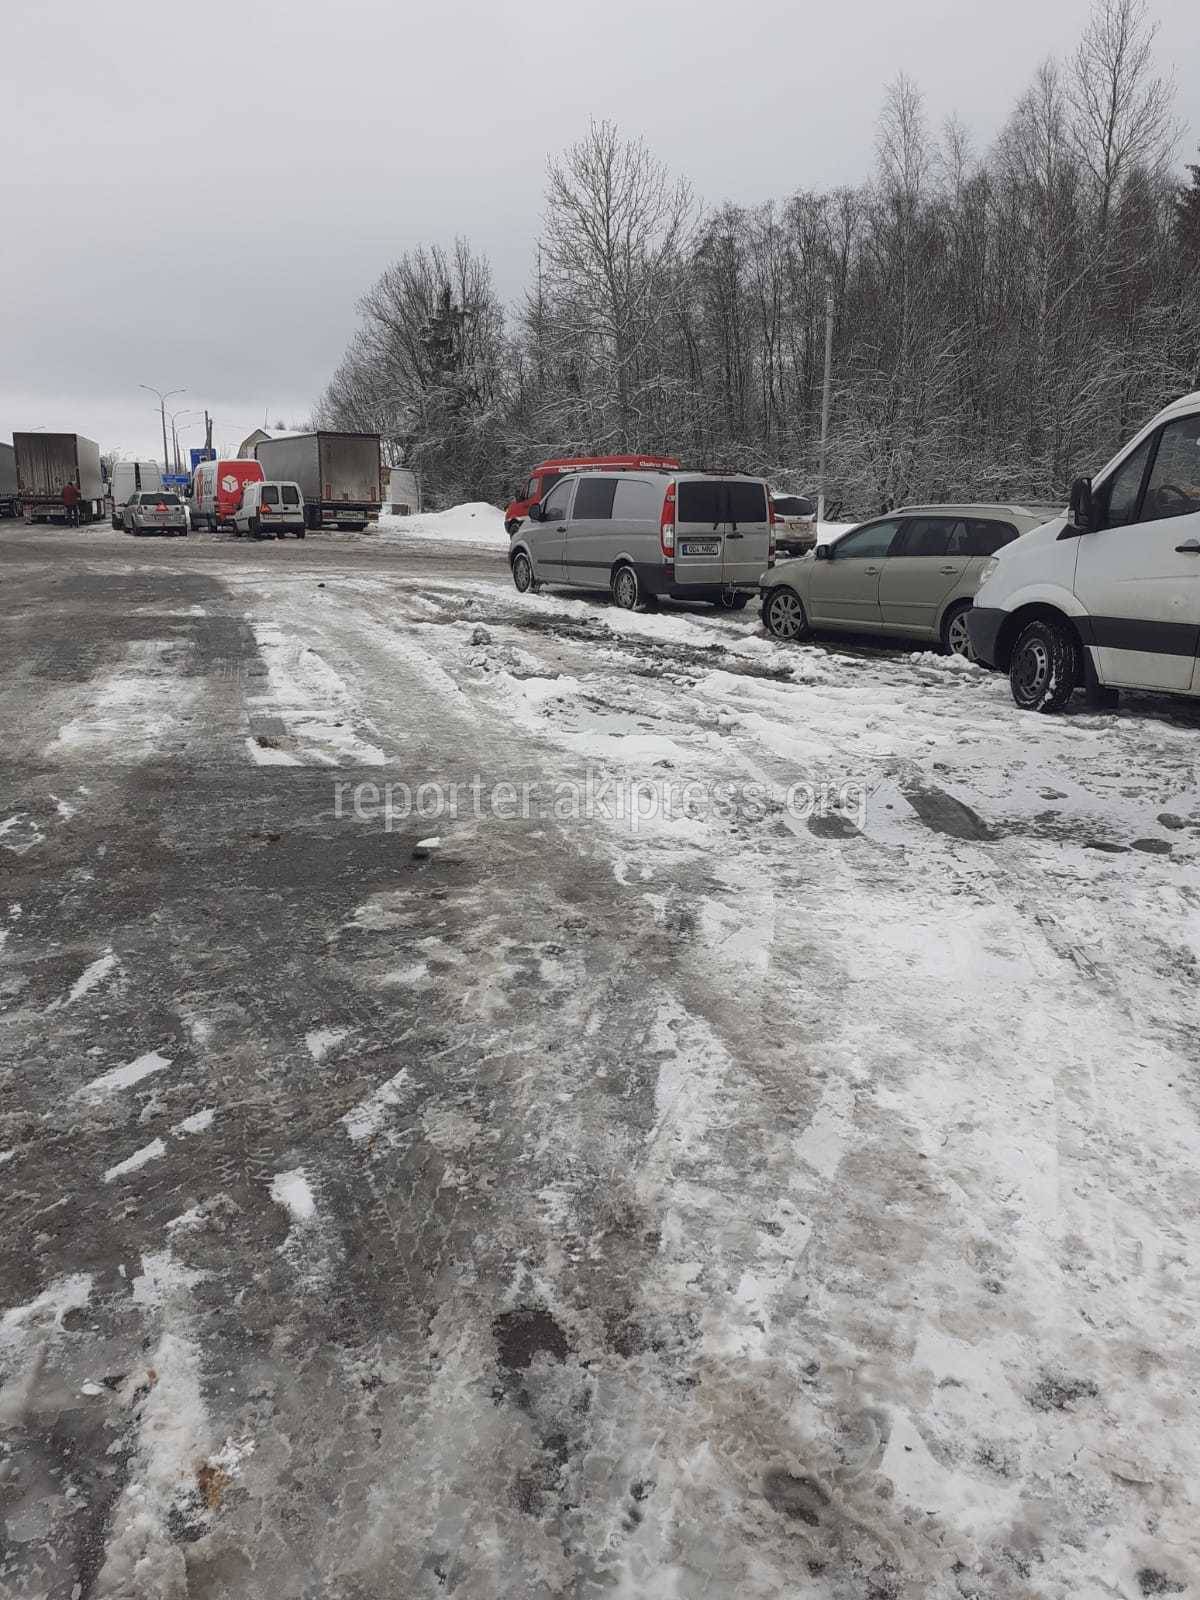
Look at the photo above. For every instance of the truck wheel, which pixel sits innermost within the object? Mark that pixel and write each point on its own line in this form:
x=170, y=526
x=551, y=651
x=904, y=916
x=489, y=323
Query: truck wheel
x=1046, y=668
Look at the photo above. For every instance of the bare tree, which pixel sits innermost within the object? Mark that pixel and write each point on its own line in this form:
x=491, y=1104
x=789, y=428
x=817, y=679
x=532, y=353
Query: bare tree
x=1122, y=108
x=616, y=223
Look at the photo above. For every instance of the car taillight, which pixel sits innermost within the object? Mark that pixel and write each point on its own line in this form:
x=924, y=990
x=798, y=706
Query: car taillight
x=666, y=526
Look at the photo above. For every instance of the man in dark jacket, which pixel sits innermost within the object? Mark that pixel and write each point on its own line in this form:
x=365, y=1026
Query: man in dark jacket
x=71, y=501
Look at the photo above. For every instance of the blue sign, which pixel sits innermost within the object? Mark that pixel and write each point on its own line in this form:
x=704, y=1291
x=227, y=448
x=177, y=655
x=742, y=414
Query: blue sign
x=175, y=480
x=201, y=455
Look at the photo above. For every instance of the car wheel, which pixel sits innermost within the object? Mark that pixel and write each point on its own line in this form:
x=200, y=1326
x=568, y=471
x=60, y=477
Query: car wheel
x=626, y=591
x=522, y=571
x=1045, y=669
x=783, y=615
x=956, y=640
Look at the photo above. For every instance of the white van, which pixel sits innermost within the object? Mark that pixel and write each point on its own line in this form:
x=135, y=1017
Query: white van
x=269, y=510
x=1107, y=595
x=130, y=478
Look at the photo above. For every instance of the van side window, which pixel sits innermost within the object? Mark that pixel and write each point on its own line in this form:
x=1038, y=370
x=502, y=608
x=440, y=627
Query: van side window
x=594, y=500
x=555, y=503
x=636, y=500
x=1123, y=491
x=1173, y=488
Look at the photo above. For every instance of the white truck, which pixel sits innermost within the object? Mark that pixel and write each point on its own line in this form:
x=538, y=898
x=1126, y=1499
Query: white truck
x=10, y=504
x=48, y=463
x=340, y=475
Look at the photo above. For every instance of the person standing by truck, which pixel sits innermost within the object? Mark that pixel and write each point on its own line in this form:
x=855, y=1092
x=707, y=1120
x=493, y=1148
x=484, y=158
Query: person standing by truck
x=70, y=496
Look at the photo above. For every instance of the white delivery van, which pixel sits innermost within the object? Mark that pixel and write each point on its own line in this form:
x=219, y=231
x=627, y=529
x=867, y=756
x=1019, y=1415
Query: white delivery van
x=269, y=510
x=130, y=478
x=1107, y=595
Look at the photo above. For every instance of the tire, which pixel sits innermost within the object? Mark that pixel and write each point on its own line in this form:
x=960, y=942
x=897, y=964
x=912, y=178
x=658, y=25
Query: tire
x=300, y=533
x=511, y=526
x=732, y=601
x=955, y=639
x=784, y=616
x=625, y=588
x=116, y=522
x=522, y=573
x=1046, y=668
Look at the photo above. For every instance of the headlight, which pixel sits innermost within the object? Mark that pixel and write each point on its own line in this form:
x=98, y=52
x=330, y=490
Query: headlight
x=988, y=567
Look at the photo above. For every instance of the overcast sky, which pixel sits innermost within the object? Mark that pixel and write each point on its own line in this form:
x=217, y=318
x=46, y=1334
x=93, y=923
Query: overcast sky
x=195, y=195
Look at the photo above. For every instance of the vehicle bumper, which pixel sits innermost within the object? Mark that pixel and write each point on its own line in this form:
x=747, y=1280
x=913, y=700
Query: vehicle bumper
x=661, y=581
x=983, y=630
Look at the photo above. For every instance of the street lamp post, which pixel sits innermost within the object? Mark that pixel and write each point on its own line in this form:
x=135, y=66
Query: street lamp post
x=175, y=433
x=162, y=408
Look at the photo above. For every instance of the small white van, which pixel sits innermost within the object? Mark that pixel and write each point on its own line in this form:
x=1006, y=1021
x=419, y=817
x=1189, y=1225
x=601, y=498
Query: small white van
x=269, y=510
x=1106, y=596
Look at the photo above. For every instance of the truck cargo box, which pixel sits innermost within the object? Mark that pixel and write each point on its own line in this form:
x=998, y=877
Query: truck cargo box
x=8, y=481
x=47, y=462
x=339, y=474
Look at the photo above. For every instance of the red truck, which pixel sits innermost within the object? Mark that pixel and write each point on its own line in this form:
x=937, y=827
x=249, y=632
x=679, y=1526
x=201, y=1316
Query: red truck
x=547, y=473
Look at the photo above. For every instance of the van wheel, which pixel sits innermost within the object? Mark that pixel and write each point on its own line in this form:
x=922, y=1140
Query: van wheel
x=783, y=615
x=626, y=591
x=522, y=571
x=511, y=526
x=733, y=600
x=956, y=641
x=1045, y=669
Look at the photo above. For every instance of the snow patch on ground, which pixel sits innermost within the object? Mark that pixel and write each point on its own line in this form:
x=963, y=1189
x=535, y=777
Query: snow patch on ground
x=322, y=1040
x=365, y=1120
x=292, y=1191
x=91, y=977
x=124, y=1077
x=473, y=523
x=149, y=1152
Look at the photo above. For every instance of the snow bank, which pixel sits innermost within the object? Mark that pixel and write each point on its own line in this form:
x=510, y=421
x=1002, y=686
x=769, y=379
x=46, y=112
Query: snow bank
x=475, y=523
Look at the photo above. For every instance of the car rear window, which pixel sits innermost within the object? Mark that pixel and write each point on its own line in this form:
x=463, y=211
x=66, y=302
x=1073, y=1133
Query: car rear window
x=717, y=500
x=793, y=505
x=157, y=499
x=594, y=499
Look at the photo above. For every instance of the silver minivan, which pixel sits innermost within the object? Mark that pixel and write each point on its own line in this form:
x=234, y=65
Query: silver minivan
x=647, y=535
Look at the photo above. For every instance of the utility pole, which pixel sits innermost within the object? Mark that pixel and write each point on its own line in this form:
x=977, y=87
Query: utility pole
x=207, y=433
x=162, y=408
x=825, y=398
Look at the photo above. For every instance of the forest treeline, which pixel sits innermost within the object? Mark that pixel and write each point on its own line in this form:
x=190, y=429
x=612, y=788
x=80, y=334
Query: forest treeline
x=1002, y=318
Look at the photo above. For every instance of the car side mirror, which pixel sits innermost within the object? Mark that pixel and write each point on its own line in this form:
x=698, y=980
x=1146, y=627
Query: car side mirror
x=535, y=511
x=1083, y=506
x=823, y=552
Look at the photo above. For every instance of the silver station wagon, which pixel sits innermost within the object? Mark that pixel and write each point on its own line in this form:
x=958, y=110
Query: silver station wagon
x=913, y=572
x=648, y=534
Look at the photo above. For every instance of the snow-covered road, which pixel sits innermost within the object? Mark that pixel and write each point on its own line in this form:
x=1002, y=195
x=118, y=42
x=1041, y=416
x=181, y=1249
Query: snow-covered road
x=508, y=1098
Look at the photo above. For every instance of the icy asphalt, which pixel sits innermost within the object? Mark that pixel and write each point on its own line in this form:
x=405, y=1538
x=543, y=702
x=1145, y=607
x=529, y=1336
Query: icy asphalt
x=768, y=1199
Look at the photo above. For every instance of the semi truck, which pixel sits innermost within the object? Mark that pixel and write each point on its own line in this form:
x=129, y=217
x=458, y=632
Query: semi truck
x=46, y=464
x=9, y=503
x=340, y=475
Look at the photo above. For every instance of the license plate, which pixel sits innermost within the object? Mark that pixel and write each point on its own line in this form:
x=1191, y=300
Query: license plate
x=701, y=547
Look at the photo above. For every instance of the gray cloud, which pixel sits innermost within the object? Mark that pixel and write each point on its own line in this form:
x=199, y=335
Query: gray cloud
x=200, y=194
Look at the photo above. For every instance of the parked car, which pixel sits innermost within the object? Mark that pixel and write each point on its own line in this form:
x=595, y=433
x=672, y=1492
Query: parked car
x=1106, y=595
x=128, y=478
x=155, y=511
x=217, y=489
x=547, y=473
x=912, y=573
x=646, y=534
x=795, y=524
x=269, y=510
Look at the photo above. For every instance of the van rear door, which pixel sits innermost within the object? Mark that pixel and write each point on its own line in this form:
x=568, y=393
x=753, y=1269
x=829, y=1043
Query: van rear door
x=722, y=531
